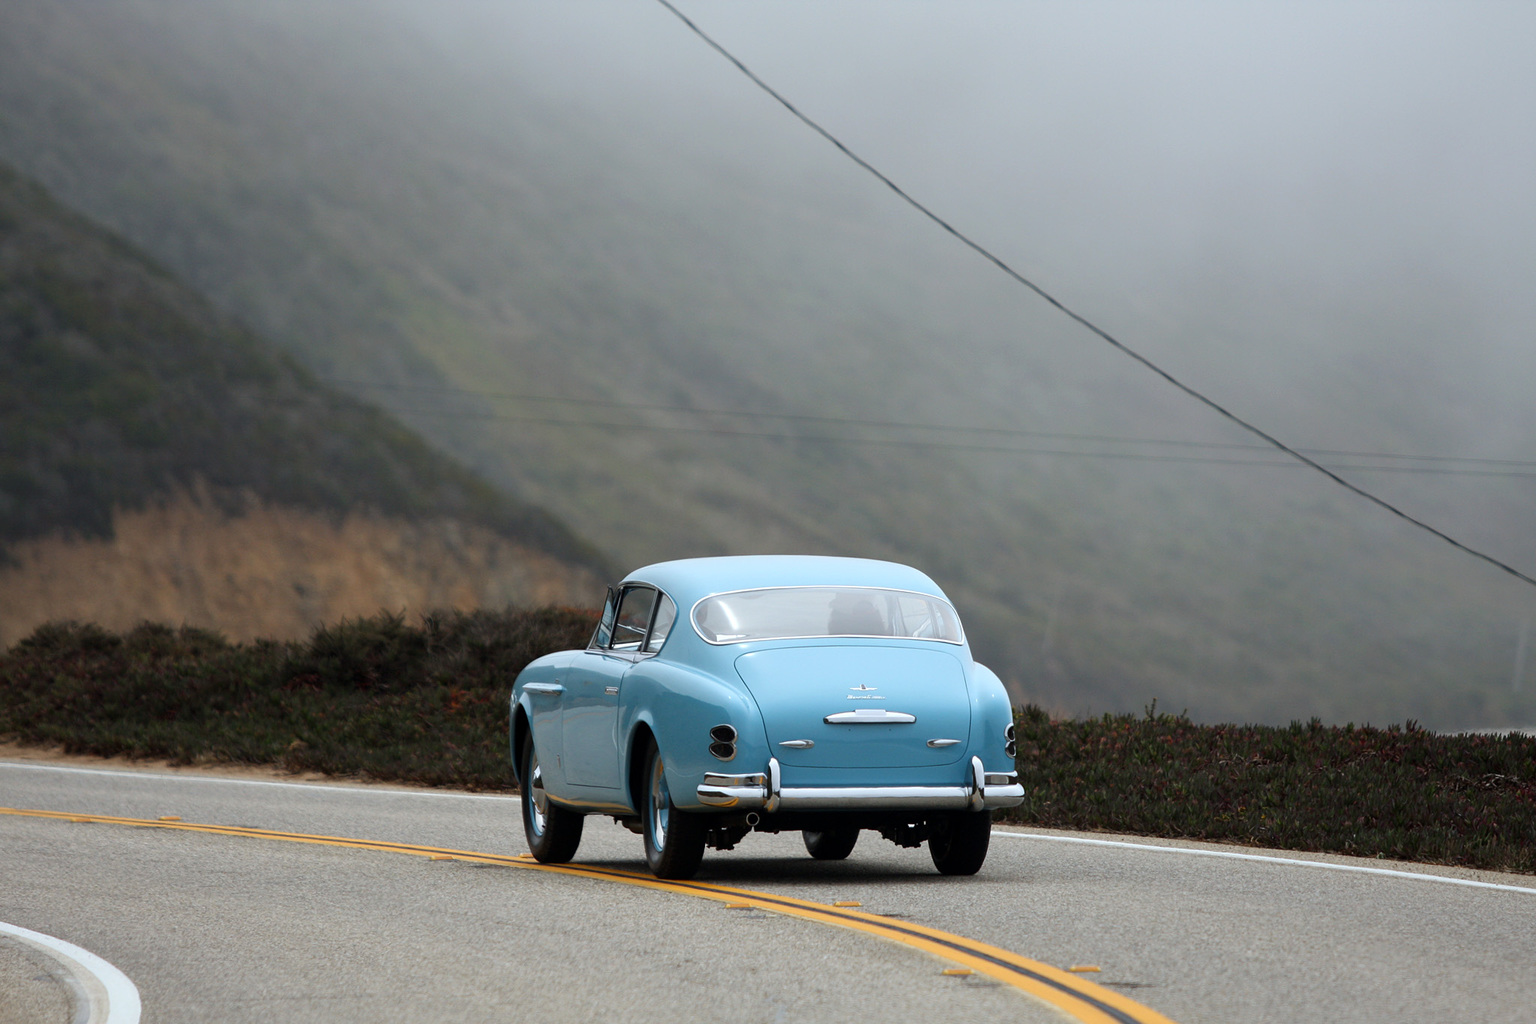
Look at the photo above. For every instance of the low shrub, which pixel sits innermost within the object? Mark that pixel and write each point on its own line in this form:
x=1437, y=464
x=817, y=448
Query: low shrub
x=373, y=697
x=1394, y=792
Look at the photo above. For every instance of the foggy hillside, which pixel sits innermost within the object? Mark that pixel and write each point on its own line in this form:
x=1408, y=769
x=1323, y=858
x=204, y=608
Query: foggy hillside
x=1320, y=218
x=158, y=461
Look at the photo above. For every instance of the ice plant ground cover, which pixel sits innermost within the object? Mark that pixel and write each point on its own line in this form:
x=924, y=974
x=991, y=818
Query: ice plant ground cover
x=427, y=703
x=1397, y=792
x=374, y=697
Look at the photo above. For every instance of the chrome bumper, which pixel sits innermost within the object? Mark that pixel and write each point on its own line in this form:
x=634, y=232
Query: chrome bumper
x=983, y=791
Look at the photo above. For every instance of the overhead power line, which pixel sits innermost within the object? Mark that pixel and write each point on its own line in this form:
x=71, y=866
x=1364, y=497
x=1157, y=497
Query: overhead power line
x=609, y=403
x=956, y=446
x=1078, y=318
x=888, y=442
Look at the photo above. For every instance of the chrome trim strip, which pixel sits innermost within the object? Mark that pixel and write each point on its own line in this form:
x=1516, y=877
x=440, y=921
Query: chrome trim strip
x=1004, y=796
x=942, y=743
x=870, y=716
x=721, y=790
x=745, y=797
x=853, y=797
x=771, y=803
x=900, y=797
x=798, y=744
x=756, y=791
x=543, y=688
x=718, y=779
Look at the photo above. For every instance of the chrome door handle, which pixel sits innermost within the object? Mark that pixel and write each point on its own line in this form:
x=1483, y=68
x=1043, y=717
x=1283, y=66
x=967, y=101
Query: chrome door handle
x=543, y=688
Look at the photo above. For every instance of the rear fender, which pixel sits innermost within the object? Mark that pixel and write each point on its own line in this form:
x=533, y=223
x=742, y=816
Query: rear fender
x=695, y=703
x=991, y=715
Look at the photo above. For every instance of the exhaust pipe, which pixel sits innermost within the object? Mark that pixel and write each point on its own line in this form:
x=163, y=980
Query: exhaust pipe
x=753, y=819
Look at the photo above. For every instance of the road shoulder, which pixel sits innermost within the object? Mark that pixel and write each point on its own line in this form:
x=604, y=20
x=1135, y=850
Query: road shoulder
x=34, y=990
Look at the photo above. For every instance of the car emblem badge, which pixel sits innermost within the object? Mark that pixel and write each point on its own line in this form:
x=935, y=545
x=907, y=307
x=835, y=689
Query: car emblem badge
x=860, y=690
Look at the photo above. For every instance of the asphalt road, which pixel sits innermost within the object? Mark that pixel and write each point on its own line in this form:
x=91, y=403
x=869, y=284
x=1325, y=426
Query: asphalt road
x=218, y=928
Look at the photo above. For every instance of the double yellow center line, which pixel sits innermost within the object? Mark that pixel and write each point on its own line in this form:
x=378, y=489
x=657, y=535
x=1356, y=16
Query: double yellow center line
x=1082, y=1000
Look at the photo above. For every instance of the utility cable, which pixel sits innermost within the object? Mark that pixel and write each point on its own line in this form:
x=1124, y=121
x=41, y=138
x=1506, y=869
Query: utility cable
x=610, y=403
x=1083, y=321
x=955, y=446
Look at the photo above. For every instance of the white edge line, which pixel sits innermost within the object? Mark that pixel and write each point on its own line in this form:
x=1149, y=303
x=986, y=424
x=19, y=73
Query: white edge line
x=1266, y=859
x=98, y=980
x=252, y=782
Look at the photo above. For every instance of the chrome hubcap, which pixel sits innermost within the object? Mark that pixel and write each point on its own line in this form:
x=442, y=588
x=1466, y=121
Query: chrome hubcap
x=661, y=802
x=538, y=804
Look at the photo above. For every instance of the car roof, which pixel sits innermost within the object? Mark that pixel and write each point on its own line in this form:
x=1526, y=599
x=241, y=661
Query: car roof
x=689, y=579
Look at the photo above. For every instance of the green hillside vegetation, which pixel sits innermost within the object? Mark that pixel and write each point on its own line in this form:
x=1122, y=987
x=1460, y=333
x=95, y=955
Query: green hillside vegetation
x=118, y=385
x=427, y=703
x=416, y=199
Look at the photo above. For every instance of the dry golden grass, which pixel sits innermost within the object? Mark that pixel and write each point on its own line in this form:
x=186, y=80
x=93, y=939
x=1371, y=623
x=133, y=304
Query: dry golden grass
x=272, y=571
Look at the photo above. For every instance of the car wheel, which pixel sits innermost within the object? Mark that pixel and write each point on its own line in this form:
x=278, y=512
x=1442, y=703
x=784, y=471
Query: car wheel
x=957, y=841
x=553, y=832
x=674, y=839
x=830, y=844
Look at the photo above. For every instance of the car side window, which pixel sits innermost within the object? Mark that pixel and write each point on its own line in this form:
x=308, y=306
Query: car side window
x=666, y=615
x=604, y=632
x=635, y=606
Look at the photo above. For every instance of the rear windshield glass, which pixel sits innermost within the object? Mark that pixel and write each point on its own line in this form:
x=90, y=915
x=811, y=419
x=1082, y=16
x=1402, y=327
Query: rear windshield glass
x=792, y=612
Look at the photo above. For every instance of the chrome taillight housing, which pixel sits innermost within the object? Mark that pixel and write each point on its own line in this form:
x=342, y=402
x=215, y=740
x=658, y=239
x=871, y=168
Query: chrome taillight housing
x=722, y=742
x=1010, y=743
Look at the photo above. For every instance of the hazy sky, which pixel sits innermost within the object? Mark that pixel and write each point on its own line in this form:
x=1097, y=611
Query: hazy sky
x=1186, y=120
x=1321, y=214
x=1125, y=153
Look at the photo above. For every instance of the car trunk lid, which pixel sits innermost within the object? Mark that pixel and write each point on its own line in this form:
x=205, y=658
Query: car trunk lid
x=869, y=692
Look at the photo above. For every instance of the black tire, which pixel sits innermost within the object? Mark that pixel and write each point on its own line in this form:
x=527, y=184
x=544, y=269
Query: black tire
x=553, y=832
x=832, y=843
x=958, y=841
x=674, y=839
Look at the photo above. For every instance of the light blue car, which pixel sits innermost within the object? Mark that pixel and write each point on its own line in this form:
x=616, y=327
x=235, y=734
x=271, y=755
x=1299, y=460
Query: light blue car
x=768, y=693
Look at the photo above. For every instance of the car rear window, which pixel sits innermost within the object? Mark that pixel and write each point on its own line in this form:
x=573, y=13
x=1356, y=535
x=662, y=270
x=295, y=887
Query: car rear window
x=780, y=613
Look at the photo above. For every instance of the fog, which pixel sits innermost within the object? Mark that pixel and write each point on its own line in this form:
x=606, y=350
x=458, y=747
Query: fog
x=1283, y=203
x=1320, y=215
x=1189, y=175
x=1119, y=147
